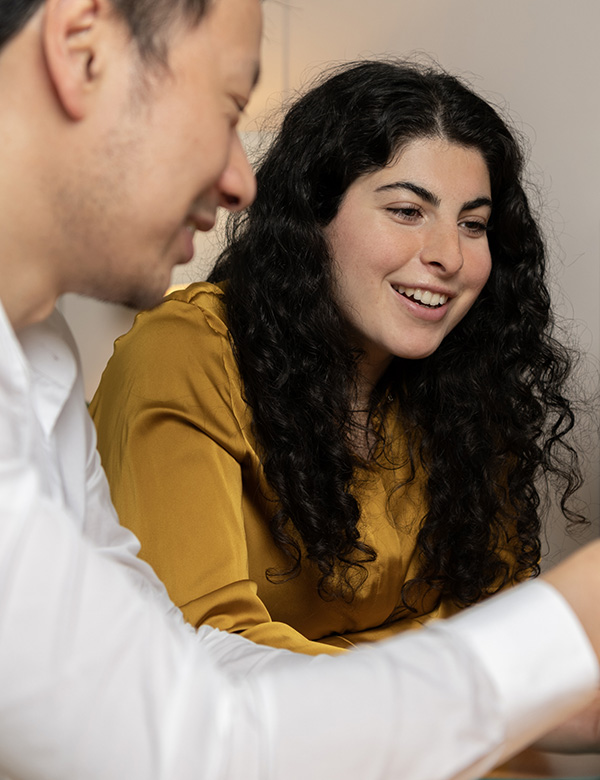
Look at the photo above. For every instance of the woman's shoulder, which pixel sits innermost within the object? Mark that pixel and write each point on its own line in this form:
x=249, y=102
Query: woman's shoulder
x=186, y=313
x=207, y=298
x=188, y=325
x=201, y=294
x=180, y=347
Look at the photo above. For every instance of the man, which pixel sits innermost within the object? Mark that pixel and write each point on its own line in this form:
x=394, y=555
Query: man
x=118, y=140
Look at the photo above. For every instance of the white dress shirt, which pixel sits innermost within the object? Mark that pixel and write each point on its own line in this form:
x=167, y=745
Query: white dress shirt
x=100, y=677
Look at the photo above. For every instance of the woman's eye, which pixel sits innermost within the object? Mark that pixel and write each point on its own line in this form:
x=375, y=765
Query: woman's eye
x=405, y=213
x=474, y=227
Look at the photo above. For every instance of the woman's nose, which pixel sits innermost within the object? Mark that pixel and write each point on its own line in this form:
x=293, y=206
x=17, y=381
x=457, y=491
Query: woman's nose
x=442, y=248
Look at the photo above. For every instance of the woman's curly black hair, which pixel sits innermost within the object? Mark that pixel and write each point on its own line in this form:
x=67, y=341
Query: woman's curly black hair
x=484, y=416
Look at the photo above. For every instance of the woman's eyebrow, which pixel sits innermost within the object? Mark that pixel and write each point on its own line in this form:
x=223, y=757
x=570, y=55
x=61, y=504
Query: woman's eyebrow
x=423, y=193
x=429, y=197
x=477, y=203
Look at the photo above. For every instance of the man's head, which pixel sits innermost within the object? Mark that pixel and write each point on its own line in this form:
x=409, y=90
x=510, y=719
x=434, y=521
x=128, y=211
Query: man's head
x=146, y=19
x=127, y=142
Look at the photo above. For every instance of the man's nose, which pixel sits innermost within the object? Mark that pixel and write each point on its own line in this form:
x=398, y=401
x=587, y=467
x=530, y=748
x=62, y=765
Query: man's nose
x=237, y=185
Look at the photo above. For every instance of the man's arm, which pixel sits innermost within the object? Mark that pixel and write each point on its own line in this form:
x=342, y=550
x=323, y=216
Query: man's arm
x=96, y=682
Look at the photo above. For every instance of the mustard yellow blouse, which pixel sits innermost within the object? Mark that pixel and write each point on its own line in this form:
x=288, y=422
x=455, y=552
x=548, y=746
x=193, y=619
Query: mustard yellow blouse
x=175, y=439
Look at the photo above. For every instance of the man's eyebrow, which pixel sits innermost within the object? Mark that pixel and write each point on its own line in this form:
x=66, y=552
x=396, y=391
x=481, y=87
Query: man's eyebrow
x=429, y=197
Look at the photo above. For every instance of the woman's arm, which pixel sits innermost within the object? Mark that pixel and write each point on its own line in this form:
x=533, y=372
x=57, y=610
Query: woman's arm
x=170, y=420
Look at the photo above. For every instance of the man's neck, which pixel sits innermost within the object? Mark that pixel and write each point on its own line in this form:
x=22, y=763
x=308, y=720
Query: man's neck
x=26, y=298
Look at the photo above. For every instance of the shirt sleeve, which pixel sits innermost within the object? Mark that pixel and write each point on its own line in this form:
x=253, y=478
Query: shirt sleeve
x=172, y=435
x=485, y=683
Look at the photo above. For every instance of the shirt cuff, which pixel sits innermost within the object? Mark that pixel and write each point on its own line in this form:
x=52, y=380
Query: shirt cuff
x=536, y=655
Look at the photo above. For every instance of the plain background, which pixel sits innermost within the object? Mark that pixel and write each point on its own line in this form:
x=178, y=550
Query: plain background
x=538, y=60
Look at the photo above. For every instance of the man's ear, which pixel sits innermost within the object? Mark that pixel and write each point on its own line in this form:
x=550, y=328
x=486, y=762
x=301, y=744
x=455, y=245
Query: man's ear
x=70, y=39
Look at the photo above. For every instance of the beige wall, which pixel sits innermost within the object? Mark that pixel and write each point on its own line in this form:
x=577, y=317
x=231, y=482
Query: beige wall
x=539, y=58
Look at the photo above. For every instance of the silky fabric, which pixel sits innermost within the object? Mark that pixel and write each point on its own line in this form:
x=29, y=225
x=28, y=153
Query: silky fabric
x=176, y=441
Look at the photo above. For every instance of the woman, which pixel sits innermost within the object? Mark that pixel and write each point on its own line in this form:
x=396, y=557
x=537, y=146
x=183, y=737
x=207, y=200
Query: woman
x=342, y=434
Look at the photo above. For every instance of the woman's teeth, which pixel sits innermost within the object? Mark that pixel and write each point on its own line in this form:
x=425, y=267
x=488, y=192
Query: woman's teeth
x=424, y=297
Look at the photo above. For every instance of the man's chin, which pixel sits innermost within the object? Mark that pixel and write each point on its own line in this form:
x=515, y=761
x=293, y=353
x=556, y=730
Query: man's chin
x=143, y=299
x=146, y=294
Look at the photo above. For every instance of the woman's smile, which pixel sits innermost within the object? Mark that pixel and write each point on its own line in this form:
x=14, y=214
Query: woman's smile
x=430, y=306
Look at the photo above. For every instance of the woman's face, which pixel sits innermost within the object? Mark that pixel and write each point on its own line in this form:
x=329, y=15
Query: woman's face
x=410, y=250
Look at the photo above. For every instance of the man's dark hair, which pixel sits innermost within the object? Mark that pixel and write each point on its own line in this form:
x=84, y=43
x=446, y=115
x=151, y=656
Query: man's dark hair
x=147, y=19
x=14, y=15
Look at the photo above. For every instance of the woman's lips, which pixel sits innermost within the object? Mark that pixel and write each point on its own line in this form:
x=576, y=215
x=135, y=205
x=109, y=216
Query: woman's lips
x=422, y=295
x=421, y=308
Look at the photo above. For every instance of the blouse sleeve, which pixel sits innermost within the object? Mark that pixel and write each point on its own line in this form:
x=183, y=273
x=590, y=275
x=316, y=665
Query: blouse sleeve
x=171, y=433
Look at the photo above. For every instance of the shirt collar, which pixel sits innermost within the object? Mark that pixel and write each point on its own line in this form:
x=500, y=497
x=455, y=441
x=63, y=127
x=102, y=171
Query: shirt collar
x=14, y=368
x=49, y=352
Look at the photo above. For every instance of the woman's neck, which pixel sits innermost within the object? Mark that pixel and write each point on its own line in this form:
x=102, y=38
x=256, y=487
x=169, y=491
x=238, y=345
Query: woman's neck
x=363, y=436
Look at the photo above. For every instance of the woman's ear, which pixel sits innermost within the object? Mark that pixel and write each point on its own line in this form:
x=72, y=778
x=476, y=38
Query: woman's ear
x=71, y=37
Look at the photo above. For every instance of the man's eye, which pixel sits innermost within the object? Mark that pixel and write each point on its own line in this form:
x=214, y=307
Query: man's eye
x=240, y=104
